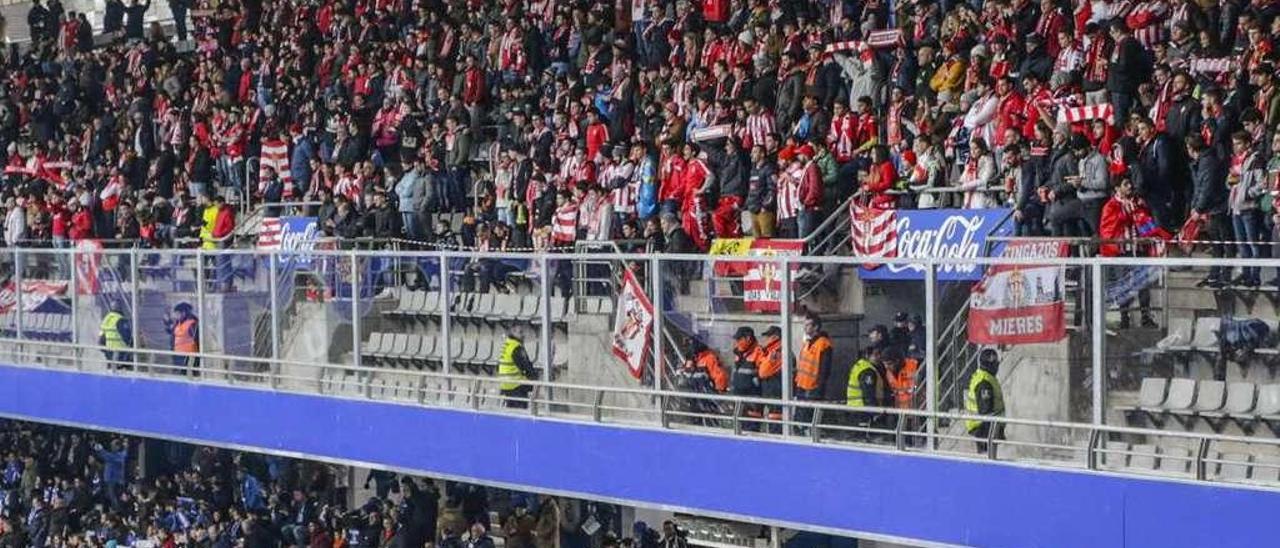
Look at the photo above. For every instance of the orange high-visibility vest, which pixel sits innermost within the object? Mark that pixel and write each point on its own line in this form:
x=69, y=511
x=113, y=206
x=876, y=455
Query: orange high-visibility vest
x=770, y=361
x=810, y=361
x=184, y=336
x=903, y=383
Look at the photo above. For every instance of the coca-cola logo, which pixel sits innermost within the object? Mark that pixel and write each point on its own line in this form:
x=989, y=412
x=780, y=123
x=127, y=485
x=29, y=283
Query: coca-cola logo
x=298, y=240
x=958, y=237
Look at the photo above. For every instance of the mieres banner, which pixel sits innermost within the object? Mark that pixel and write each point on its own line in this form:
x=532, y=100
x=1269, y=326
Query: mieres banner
x=1022, y=303
x=633, y=325
x=925, y=234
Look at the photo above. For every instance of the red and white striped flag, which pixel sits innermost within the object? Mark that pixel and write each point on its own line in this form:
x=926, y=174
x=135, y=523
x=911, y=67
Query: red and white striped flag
x=269, y=233
x=1102, y=111
x=275, y=155
x=874, y=232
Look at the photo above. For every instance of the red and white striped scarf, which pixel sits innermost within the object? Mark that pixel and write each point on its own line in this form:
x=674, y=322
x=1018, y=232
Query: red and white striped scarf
x=1101, y=111
x=564, y=229
x=1095, y=63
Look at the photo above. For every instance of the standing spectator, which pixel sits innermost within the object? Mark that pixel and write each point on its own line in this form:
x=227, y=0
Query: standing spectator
x=1247, y=185
x=411, y=193
x=1094, y=182
x=134, y=18
x=1209, y=204
x=1127, y=67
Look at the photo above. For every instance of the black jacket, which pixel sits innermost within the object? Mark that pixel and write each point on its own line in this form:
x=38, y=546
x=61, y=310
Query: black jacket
x=678, y=242
x=1129, y=67
x=761, y=188
x=1209, y=184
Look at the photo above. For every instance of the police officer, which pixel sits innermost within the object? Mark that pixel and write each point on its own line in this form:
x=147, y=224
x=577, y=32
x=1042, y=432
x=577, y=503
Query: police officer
x=514, y=367
x=116, y=334
x=185, y=330
x=984, y=397
x=865, y=389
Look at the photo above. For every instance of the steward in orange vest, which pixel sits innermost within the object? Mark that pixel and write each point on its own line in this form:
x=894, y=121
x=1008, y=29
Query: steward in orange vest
x=184, y=327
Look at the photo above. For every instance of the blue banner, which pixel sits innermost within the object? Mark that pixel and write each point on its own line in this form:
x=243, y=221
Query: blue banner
x=940, y=234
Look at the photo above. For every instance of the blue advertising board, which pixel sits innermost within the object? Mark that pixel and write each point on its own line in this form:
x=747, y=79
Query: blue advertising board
x=940, y=234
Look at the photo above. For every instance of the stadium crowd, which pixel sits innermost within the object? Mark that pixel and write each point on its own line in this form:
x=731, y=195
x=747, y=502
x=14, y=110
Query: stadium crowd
x=550, y=122
x=64, y=488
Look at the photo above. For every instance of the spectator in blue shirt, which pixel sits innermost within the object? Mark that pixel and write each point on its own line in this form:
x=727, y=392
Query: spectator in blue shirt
x=113, y=463
x=250, y=492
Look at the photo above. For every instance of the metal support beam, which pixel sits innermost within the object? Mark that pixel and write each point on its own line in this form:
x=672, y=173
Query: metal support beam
x=1098, y=348
x=273, y=286
x=200, y=312
x=544, y=295
x=17, y=295
x=133, y=310
x=931, y=350
x=73, y=288
x=355, y=309
x=784, y=305
x=655, y=287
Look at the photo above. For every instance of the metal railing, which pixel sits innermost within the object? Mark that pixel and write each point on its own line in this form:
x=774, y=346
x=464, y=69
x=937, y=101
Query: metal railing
x=433, y=378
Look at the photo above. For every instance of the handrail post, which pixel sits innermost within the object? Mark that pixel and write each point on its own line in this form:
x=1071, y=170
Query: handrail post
x=662, y=411
x=991, y=439
x=784, y=305
x=1202, y=453
x=737, y=417
x=817, y=419
x=931, y=352
x=1091, y=450
x=533, y=399
x=273, y=287
x=1098, y=345
x=900, y=441
x=596, y=412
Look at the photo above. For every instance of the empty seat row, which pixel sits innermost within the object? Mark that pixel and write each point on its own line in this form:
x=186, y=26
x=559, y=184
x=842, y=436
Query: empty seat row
x=38, y=326
x=427, y=351
x=1181, y=461
x=491, y=307
x=1215, y=402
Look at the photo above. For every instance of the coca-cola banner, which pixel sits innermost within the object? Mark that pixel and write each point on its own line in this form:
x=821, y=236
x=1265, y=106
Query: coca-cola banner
x=934, y=234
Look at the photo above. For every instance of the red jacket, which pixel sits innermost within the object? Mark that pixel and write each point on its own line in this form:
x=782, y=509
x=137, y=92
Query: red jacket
x=811, y=186
x=597, y=136
x=224, y=223
x=880, y=183
x=81, y=225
